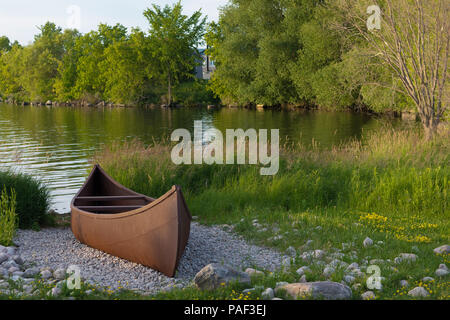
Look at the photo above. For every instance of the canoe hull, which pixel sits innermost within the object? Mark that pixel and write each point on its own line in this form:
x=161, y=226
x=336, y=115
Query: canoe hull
x=154, y=235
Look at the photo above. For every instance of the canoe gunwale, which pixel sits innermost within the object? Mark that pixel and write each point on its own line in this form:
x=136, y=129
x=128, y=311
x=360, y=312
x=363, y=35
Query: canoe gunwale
x=153, y=203
x=144, y=209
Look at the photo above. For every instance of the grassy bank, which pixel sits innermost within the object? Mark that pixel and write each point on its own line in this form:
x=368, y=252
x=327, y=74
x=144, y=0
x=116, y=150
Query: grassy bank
x=32, y=199
x=392, y=187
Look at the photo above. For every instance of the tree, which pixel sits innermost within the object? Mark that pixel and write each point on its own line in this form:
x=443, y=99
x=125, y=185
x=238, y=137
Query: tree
x=414, y=43
x=131, y=70
x=174, y=38
x=92, y=65
x=5, y=44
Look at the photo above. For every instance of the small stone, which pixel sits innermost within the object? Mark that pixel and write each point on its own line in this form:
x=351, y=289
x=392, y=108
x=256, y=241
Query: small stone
x=443, y=266
x=13, y=269
x=59, y=274
x=253, y=272
x=349, y=279
x=367, y=242
x=406, y=257
x=445, y=249
x=328, y=271
x=301, y=271
x=352, y=266
x=268, y=294
x=319, y=254
x=368, y=295
x=46, y=274
x=356, y=286
x=16, y=278
x=308, y=243
x=427, y=279
x=404, y=283
x=281, y=284
x=277, y=299
x=418, y=292
x=31, y=273
x=248, y=291
x=291, y=252
x=88, y=292
x=11, y=251
x=18, y=259
x=441, y=272
x=303, y=279
x=56, y=291
x=376, y=261
x=3, y=257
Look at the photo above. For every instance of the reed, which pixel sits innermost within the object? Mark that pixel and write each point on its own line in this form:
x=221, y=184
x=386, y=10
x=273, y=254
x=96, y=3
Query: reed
x=32, y=198
x=8, y=217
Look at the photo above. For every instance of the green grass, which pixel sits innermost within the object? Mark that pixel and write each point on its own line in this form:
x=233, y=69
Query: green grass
x=32, y=199
x=392, y=187
x=8, y=217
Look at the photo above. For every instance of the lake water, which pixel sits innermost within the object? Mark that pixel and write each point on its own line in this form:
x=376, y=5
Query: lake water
x=57, y=143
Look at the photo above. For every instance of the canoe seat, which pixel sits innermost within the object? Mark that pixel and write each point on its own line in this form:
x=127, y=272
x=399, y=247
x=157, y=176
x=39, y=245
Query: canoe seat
x=111, y=198
x=108, y=208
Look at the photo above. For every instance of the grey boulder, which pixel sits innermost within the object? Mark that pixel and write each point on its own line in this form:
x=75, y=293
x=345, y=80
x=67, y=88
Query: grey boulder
x=327, y=290
x=214, y=276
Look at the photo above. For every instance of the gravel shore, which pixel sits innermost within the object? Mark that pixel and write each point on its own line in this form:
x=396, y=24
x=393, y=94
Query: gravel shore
x=58, y=248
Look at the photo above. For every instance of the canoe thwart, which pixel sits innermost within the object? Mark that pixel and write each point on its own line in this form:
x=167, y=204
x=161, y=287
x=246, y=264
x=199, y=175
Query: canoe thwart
x=111, y=198
x=108, y=208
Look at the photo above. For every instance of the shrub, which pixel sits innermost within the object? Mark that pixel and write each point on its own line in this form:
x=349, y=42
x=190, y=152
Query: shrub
x=32, y=202
x=194, y=93
x=8, y=217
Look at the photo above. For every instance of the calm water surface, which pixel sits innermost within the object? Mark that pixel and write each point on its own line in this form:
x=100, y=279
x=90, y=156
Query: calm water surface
x=57, y=143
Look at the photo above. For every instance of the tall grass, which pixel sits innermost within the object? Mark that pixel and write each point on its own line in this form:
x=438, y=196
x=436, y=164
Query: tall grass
x=396, y=171
x=393, y=187
x=33, y=198
x=8, y=217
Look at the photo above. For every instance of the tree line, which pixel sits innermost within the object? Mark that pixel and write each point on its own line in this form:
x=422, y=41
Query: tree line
x=267, y=52
x=108, y=64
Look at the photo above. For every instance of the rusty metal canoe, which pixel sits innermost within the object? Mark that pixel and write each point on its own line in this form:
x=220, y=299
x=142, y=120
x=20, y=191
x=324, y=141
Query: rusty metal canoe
x=111, y=218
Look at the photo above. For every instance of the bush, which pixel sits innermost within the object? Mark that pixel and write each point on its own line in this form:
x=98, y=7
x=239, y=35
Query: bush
x=32, y=201
x=8, y=217
x=194, y=93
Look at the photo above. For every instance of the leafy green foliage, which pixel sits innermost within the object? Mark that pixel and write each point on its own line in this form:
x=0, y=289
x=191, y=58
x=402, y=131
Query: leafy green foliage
x=109, y=64
x=278, y=52
x=174, y=38
x=32, y=198
x=8, y=218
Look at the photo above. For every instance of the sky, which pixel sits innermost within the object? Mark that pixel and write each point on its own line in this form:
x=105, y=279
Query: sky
x=19, y=19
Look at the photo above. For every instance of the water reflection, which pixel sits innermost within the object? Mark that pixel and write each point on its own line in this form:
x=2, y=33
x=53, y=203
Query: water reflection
x=56, y=144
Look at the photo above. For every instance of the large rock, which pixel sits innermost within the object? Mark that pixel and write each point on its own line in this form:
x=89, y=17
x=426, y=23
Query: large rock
x=445, y=249
x=319, y=290
x=215, y=275
x=418, y=292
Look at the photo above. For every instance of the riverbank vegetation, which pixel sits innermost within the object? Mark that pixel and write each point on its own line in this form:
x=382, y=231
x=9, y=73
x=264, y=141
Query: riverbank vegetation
x=32, y=199
x=110, y=64
x=272, y=53
x=8, y=217
x=327, y=53
x=392, y=187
